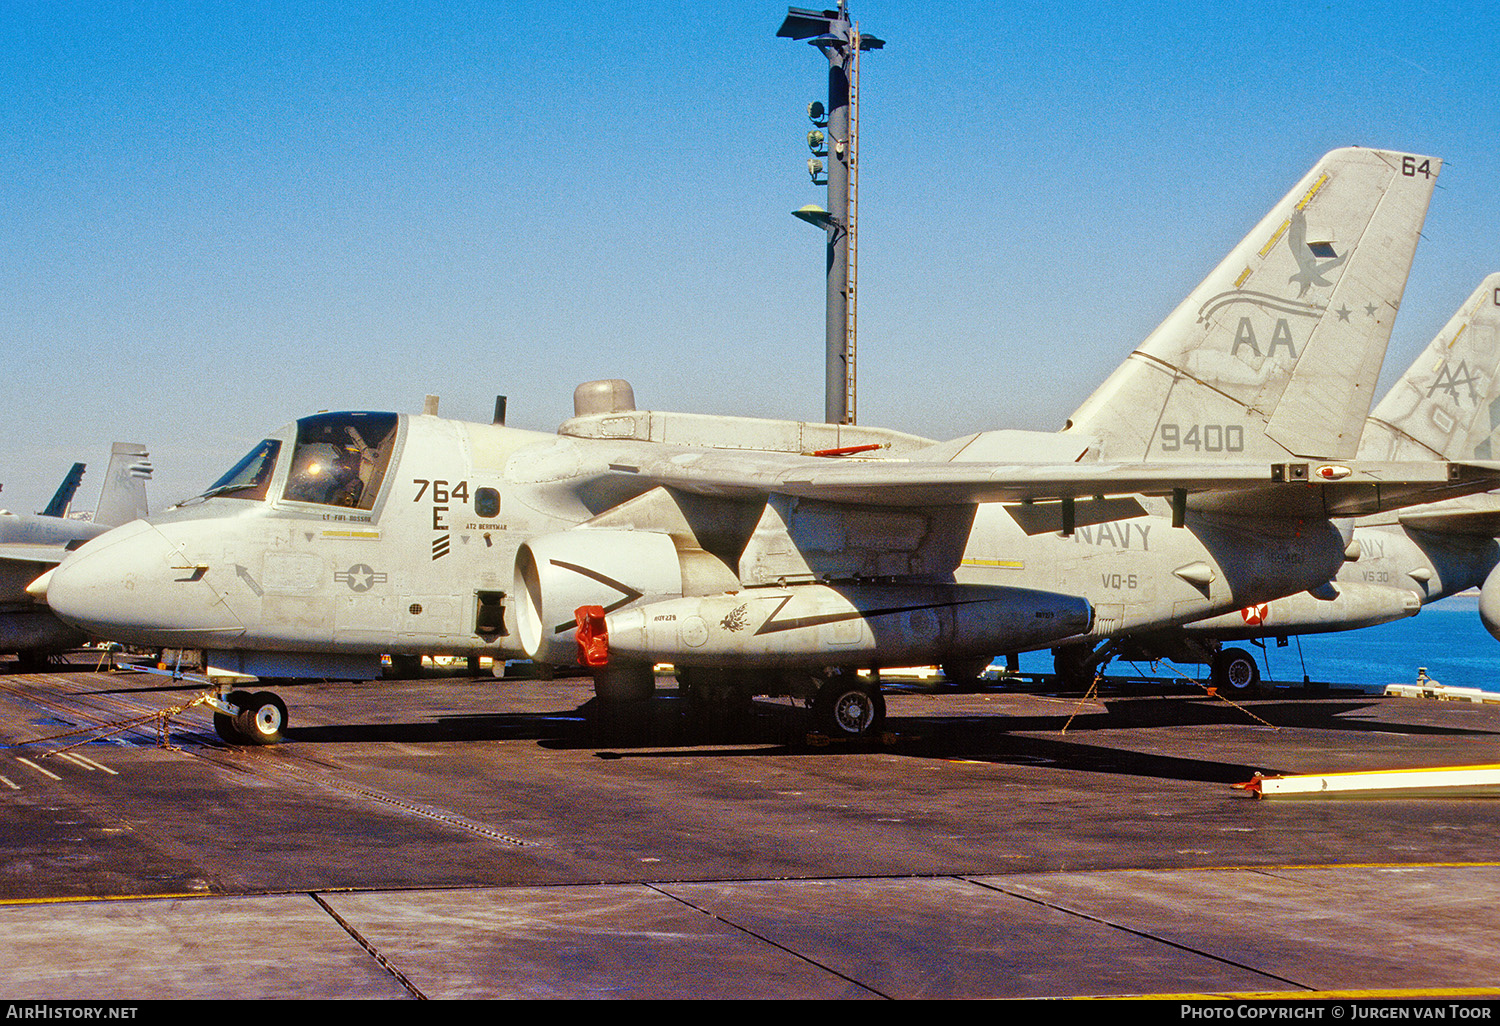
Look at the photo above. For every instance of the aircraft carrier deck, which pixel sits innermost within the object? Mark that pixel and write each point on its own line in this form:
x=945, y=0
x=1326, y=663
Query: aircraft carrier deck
x=457, y=838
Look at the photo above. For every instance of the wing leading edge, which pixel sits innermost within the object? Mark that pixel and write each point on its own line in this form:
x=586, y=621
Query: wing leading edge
x=1292, y=489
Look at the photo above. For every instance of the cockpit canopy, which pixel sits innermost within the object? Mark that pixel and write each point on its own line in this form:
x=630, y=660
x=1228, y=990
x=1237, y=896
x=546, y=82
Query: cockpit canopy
x=339, y=459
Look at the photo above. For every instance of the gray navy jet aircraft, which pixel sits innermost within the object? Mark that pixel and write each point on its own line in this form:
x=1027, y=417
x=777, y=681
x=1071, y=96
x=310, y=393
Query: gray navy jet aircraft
x=1214, y=470
x=32, y=544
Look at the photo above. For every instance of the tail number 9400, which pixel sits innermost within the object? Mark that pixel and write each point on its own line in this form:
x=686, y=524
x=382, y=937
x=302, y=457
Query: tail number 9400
x=1203, y=437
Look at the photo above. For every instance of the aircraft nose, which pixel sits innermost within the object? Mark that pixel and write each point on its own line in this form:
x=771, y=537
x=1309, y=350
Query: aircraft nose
x=133, y=585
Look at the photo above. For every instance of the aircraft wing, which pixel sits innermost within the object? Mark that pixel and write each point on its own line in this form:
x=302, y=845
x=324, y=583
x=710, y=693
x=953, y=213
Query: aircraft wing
x=33, y=554
x=1353, y=489
x=1476, y=516
x=20, y=564
x=1276, y=489
x=740, y=474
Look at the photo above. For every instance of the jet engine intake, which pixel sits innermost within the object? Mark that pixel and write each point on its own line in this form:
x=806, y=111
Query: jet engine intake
x=557, y=573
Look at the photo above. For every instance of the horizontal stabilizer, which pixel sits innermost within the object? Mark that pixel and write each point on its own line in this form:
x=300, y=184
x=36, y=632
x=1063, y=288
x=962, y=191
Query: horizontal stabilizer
x=1009, y=447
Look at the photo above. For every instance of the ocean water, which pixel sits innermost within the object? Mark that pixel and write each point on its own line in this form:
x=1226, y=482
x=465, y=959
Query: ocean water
x=1446, y=637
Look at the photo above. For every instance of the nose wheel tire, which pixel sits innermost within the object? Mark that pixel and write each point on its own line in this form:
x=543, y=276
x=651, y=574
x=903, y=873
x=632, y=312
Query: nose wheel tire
x=226, y=725
x=261, y=719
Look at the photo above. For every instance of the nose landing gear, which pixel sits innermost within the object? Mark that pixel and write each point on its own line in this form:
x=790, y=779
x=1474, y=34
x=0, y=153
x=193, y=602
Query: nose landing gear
x=246, y=718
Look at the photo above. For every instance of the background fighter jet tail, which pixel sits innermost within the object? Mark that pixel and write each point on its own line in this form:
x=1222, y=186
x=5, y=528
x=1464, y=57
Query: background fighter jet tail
x=1277, y=352
x=123, y=497
x=1447, y=404
x=63, y=497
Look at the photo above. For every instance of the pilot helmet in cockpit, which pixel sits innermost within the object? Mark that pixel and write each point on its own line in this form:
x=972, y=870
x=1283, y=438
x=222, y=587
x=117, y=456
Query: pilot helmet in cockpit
x=326, y=473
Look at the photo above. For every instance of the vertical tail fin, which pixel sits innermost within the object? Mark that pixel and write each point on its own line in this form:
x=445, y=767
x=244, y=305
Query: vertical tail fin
x=63, y=497
x=123, y=497
x=1447, y=404
x=1278, y=351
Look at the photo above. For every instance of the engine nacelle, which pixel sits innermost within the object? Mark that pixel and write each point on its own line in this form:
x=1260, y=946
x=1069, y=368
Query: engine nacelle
x=845, y=625
x=1489, y=603
x=557, y=573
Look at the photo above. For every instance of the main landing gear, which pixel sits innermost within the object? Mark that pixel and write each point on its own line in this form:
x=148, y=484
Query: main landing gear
x=249, y=718
x=849, y=706
x=844, y=704
x=1234, y=671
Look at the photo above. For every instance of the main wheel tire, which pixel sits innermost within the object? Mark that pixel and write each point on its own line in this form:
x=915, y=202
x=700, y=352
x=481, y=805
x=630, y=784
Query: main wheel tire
x=230, y=726
x=848, y=707
x=262, y=720
x=1235, y=671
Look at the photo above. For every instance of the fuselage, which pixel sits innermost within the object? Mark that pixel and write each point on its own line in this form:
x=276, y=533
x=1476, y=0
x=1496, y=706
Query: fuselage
x=364, y=533
x=1398, y=570
x=285, y=557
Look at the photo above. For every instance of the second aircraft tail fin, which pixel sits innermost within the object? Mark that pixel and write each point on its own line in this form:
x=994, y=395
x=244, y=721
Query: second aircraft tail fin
x=1447, y=404
x=1277, y=352
x=63, y=497
x=123, y=497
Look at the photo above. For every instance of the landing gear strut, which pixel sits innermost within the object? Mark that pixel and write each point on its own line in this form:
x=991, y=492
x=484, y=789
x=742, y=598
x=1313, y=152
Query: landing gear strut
x=965, y=673
x=1076, y=666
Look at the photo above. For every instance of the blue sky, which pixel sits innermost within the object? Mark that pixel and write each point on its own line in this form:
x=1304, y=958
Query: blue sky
x=217, y=218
